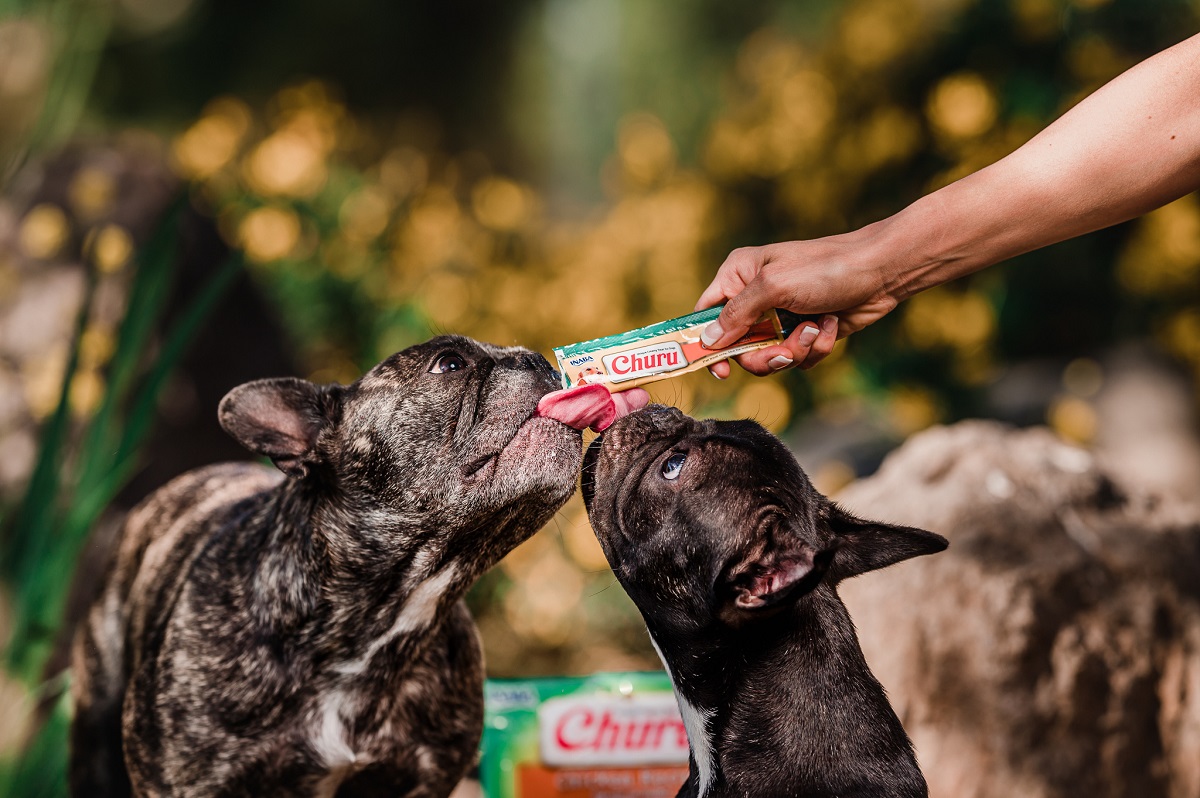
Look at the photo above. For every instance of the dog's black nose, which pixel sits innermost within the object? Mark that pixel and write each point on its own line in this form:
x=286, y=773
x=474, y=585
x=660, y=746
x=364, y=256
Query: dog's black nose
x=664, y=418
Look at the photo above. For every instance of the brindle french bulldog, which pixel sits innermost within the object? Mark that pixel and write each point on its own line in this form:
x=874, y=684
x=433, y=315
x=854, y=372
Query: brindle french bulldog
x=302, y=633
x=733, y=559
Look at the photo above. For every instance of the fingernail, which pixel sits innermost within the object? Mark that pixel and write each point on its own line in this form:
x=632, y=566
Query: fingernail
x=715, y=374
x=808, y=335
x=711, y=334
x=778, y=362
x=829, y=324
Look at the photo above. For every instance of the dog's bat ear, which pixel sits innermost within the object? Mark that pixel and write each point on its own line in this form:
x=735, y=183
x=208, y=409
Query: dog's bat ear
x=870, y=545
x=281, y=419
x=770, y=578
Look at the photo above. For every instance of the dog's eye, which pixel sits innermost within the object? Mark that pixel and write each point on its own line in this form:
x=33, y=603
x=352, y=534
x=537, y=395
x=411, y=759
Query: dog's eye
x=674, y=465
x=448, y=363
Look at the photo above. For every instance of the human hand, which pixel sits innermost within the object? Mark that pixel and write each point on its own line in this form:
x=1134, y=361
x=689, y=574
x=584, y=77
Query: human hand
x=840, y=277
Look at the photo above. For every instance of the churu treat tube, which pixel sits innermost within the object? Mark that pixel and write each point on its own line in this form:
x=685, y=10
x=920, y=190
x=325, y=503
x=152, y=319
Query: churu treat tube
x=666, y=349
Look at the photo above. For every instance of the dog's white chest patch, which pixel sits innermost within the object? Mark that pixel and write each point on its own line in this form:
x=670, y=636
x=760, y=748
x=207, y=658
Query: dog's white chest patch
x=417, y=614
x=330, y=741
x=695, y=722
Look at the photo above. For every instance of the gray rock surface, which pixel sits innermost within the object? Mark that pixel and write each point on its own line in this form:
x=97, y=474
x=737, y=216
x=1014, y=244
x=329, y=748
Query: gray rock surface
x=1146, y=425
x=1054, y=649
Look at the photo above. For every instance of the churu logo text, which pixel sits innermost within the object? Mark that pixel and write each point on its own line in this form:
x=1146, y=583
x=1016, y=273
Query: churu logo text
x=656, y=359
x=612, y=731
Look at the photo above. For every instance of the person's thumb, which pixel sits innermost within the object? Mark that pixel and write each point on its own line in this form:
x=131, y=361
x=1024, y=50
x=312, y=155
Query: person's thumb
x=739, y=313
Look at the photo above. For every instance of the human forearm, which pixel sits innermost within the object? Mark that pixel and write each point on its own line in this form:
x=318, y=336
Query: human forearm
x=1130, y=147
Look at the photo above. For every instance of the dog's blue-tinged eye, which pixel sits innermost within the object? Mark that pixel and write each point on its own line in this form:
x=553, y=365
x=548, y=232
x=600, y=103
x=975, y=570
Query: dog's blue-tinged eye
x=674, y=465
x=448, y=363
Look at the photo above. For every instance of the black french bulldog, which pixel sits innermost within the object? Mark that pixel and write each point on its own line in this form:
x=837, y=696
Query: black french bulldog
x=733, y=559
x=302, y=633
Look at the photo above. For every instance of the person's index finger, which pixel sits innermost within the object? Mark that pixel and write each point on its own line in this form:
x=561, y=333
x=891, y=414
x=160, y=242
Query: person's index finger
x=731, y=278
x=738, y=315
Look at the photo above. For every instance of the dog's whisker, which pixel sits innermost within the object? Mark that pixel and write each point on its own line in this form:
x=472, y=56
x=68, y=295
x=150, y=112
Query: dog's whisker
x=603, y=589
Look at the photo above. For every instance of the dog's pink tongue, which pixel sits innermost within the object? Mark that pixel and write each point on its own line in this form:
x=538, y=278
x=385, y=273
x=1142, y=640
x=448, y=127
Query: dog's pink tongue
x=590, y=406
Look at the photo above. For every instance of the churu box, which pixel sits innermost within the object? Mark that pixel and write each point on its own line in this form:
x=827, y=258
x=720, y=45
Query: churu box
x=609, y=735
x=666, y=349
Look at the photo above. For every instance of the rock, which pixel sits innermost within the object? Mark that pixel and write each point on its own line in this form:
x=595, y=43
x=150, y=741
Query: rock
x=1146, y=431
x=1054, y=649
x=41, y=314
